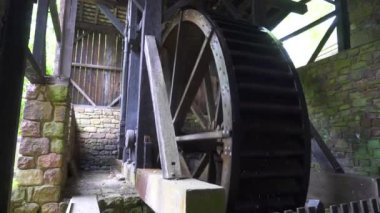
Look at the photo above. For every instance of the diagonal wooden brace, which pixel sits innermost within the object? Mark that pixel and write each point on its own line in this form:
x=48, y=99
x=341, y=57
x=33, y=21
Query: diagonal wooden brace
x=167, y=144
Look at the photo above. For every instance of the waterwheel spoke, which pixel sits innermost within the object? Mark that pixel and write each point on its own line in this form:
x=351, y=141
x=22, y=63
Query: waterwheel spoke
x=210, y=102
x=199, y=116
x=202, y=136
x=218, y=109
x=211, y=177
x=184, y=167
x=194, y=82
x=201, y=166
x=176, y=57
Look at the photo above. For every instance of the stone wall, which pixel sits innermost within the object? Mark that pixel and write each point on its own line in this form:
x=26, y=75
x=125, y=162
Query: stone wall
x=96, y=136
x=343, y=96
x=365, y=21
x=42, y=162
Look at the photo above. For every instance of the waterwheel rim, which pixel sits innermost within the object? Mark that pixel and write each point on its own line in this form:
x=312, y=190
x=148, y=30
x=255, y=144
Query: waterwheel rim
x=235, y=173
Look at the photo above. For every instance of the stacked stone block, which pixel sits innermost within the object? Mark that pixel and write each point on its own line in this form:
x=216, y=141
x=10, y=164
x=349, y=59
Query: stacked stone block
x=97, y=136
x=343, y=97
x=41, y=168
x=364, y=21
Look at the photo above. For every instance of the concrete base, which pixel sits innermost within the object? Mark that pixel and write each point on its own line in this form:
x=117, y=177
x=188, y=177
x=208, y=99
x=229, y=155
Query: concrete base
x=179, y=196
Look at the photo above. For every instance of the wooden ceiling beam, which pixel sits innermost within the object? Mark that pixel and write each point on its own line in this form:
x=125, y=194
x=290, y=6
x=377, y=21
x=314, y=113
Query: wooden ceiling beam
x=296, y=7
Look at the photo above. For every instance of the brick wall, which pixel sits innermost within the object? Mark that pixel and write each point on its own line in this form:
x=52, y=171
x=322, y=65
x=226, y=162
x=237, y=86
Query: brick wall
x=365, y=21
x=96, y=136
x=43, y=150
x=343, y=97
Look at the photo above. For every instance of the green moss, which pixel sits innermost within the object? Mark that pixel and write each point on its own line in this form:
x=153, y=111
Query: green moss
x=57, y=93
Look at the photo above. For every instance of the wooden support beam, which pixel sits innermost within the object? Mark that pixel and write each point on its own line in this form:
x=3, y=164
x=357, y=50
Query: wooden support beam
x=114, y=102
x=98, y=67
x=80, y=90
x=151, y=25
x=323, y=42
x=14, y=37
x=309, y=26
x=170, y=164
x=112, y=18
x=39, y=48
x=130, y=82
x=96, y=28
x=32, y=70
x=70, y=12
x=288, y=5
x=139, y=4
x=322, y=153
x=55, y=19
x=344, y=32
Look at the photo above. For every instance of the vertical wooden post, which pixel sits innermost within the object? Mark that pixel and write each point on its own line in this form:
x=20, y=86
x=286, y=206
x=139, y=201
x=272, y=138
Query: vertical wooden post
x=130, y=80
x=151, y=25
x=13, y=45
x=343, y=30
x=39, y=48
x=68, y=33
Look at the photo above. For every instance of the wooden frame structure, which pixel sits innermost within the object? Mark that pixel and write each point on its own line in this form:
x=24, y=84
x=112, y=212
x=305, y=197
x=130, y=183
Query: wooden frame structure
x=340, y=22
x=145, y=16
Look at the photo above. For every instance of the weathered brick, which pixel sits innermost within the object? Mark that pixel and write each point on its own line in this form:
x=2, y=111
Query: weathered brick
x=50, y=208
x=37, y=110
x=60, y=113
x=27, y=208
x=57, y=146
x=31, y=177
x=51, y=160
x=57, y=93
x=30, y=128
x=54, y=129
x=26, y=162
x=46, y=194
x=34, y=146
x=53, y=177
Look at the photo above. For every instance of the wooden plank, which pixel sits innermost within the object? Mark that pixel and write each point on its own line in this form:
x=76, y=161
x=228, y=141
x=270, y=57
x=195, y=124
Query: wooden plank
x=167, y=143
x=55, y=19
x=96, y=59
x=75, y=75
x=94, y=66
x=83, y=204
x=39, y=48
x=68, y=33
x=111, y=17
x=114, y=101
x=82, y=92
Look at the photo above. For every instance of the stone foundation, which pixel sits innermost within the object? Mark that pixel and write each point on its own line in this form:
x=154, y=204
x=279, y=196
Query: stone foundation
x=343, y=97
x=43, y=150
x=97, y=136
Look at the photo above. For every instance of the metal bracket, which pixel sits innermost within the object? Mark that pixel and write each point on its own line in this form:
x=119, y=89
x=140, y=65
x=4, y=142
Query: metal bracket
x=167, y=144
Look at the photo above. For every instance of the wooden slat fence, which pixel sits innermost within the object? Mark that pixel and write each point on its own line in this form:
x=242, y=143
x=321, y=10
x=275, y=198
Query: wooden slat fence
x=97, y=56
